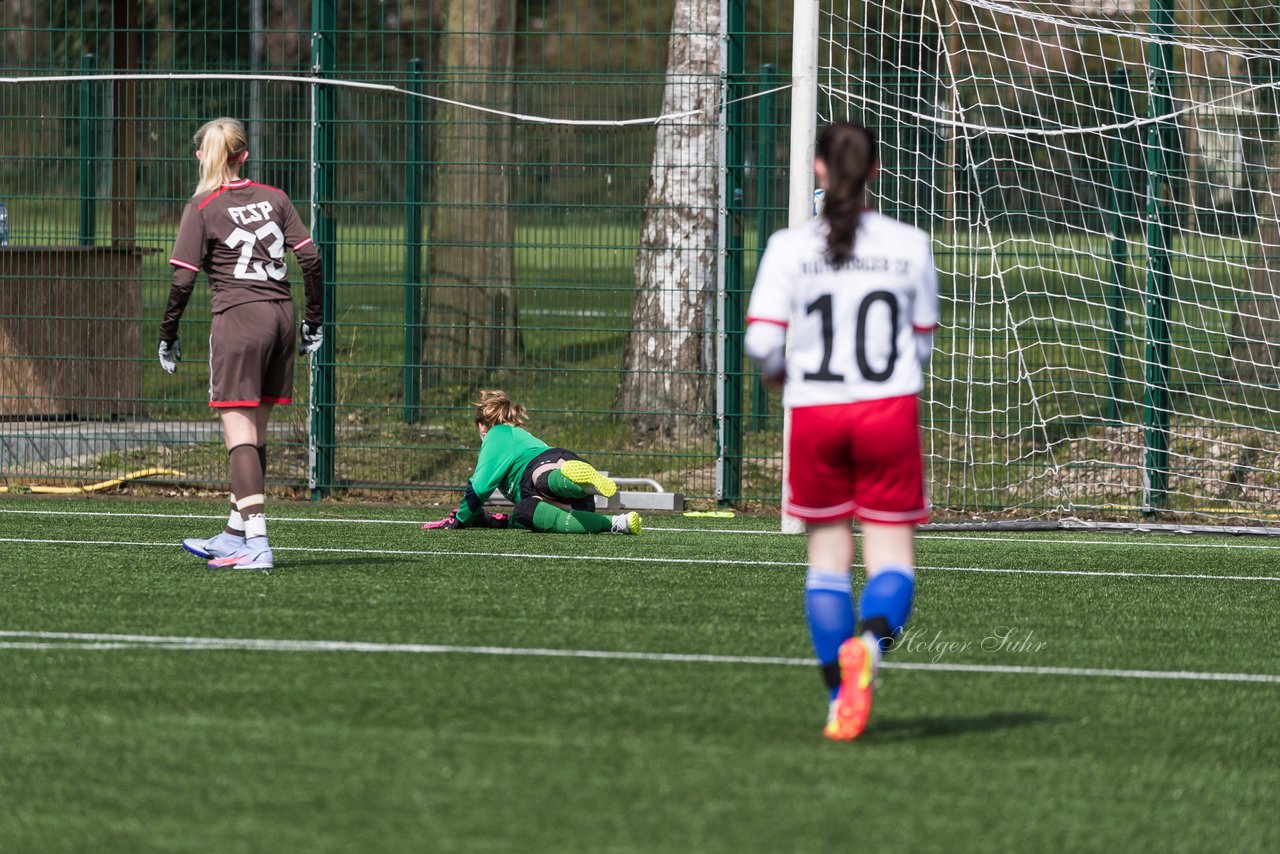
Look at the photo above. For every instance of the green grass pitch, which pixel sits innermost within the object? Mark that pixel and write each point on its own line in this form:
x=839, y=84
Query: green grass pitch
x=390, y=689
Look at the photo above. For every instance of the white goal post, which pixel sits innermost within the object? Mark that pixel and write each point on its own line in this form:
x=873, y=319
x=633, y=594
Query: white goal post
x=804, y=123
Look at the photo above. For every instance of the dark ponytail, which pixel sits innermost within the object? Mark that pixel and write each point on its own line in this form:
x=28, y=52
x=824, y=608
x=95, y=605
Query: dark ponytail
x=849, y=152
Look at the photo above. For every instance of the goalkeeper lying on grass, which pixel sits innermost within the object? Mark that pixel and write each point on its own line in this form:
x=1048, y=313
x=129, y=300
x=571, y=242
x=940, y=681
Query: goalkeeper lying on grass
x=534, y=477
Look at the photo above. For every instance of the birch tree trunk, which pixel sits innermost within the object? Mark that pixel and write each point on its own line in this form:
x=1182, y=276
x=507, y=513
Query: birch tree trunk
x=666, y=383
x=471, y=308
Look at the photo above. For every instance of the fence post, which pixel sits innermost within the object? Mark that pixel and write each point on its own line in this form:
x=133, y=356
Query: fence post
x=732, y=294
x=413, y=249
x=766, y=186
x=1155, y=474
x=88, y=152
x=1121, y=110
x=324, y=231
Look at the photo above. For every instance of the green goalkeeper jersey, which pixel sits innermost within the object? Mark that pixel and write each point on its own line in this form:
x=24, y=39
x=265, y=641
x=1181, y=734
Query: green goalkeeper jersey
x=505, y=453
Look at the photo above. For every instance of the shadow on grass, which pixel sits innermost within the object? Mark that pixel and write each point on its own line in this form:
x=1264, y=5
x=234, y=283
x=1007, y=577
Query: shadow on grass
x=932, y=726
x=340, y=562
x=289, y=564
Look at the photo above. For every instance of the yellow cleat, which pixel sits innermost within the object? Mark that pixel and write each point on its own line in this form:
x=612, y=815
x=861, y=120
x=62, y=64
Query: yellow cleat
x=591, y=481
x=847, y=717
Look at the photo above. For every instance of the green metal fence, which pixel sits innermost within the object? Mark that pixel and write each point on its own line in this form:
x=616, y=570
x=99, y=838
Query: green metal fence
x=465, y=247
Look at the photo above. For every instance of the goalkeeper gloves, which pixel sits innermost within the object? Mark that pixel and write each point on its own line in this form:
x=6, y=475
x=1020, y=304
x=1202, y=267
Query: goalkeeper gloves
x=170, y=353
x=483, y=520
x=312, y=337
x=448, y=522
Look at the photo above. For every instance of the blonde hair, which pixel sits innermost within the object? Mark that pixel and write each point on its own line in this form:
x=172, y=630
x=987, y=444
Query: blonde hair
x=494, y=407
x=222, y=144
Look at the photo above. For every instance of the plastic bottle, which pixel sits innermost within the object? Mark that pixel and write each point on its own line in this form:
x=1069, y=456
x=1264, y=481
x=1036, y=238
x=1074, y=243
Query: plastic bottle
x=4, y=225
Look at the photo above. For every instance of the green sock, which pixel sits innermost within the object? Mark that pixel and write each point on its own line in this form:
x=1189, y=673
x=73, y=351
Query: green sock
x=562, y=487
x=549, y=518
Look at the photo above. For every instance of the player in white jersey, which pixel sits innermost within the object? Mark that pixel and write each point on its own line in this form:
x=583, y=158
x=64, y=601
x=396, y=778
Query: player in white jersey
x=859, y=294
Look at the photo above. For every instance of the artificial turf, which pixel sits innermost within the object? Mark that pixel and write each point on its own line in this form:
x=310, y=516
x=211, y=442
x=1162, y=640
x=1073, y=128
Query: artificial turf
x=146, y=746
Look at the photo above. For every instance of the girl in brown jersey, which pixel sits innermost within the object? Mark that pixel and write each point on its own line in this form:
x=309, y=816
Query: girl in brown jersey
x=237, y=231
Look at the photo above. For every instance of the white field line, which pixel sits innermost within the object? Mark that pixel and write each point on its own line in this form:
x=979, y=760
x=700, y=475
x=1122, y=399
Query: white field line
x=36, y=640
x=418, y=552
x=222, y=516
x=1150, y=541
x=1088, y=573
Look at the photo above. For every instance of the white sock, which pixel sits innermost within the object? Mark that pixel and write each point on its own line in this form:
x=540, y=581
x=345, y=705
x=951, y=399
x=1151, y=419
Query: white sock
x=255, y=526
x=234, y=521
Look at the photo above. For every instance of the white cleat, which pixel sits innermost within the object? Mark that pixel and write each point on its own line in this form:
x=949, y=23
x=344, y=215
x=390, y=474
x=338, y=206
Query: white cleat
x=221, y=545
x=627, y=523
x=248, y=557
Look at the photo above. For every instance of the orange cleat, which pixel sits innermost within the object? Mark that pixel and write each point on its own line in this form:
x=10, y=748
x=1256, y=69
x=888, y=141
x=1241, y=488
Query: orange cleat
x=847, y=717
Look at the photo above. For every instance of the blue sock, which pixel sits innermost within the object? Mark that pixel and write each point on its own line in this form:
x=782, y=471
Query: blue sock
x=886, y=603
x=828, y=608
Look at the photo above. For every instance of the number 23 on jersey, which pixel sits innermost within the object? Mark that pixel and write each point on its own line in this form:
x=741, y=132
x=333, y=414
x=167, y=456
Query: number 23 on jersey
x=246, y=267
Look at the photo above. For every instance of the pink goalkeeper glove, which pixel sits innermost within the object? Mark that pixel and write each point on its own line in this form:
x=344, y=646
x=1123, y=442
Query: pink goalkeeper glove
x=483, y=520
x=450, y=521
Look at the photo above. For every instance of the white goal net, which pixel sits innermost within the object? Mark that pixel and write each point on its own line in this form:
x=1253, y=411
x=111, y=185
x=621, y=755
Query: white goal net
x=1102, y=182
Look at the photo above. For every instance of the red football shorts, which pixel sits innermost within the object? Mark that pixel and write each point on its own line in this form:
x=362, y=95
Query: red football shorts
x=857, y=459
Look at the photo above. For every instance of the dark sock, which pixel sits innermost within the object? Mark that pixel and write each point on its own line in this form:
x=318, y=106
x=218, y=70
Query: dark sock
x=248, y=485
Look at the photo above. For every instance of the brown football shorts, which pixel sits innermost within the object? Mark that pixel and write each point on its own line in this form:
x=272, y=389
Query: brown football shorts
x=251, y=352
